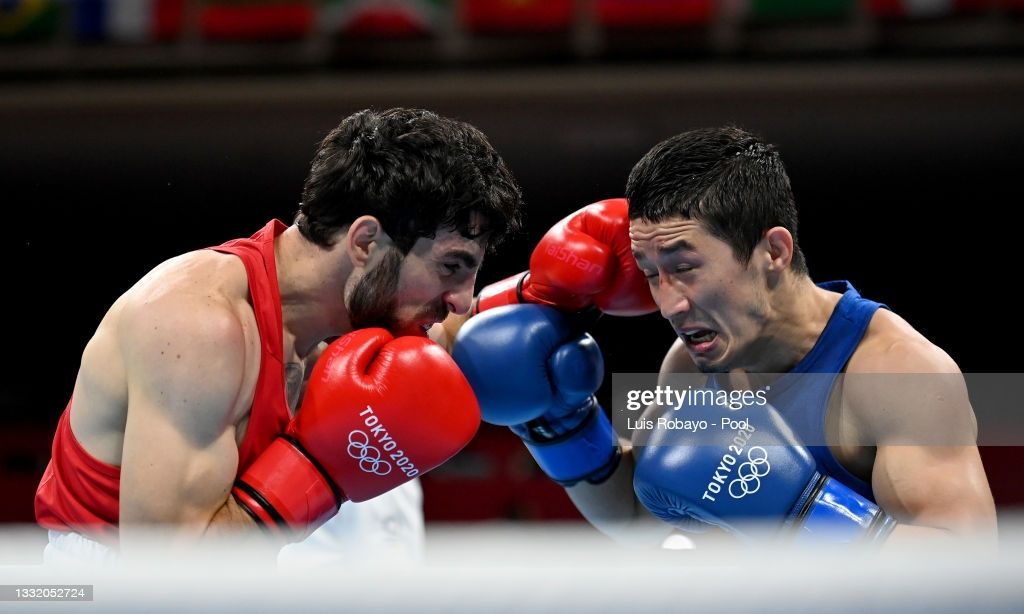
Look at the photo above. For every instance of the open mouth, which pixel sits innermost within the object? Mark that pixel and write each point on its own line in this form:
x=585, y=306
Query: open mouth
x=699, y=339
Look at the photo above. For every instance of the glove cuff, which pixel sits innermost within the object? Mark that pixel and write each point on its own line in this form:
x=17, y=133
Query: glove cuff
x=829, y=511
x=588, y=452
x=286, y=491
x=508, y=291
x=549, y=428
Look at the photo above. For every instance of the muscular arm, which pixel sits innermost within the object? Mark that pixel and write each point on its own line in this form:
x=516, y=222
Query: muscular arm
x=185, y=359
x=927, y=471
x=612, y=506
x=613, y=509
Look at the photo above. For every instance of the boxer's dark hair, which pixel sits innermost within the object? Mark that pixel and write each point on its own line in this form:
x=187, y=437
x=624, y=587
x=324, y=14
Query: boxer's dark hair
x=413, y=170
x=725, y=178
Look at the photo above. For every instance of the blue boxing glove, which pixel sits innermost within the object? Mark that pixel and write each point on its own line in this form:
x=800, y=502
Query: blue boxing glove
x=752, y=477
x=532, y=372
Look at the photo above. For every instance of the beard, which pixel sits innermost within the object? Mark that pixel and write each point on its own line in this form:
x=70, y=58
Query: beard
x=375, y=295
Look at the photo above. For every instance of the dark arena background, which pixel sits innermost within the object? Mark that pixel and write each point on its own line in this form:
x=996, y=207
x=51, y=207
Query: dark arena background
x=134, y=131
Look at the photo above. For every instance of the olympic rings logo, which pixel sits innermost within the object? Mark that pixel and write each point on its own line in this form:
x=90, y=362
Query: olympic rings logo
x=368, y=456
x=750, y=473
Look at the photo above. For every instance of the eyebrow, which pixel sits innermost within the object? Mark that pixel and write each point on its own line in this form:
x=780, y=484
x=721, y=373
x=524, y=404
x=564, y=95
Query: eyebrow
x=675, y=246
x=668, y=248
x=467, y=258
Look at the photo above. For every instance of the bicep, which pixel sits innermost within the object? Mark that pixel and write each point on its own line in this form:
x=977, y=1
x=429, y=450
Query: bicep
x=916, y=412
x=184, y=368
x=937, y=486
x=168, y=476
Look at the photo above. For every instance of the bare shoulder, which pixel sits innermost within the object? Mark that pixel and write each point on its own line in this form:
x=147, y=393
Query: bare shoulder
x=677, y=360
x=198, y=294
x=187, y=336
x=892, y=345
x=902, y=387
x=910, y=402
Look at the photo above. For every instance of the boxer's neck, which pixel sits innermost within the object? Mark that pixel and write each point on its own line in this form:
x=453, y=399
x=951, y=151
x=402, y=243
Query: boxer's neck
x=312, y=280
x=798, y=313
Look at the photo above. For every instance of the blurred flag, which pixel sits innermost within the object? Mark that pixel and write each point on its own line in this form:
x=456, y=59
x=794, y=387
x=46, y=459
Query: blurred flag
x=385, y=18
x=654, y=13
x=255, y=19
x=129, y=20
x=1016, y=6
x=919, y=9
x=517, y=16
x=493, y=478
x=798, y=10
x=28, y=20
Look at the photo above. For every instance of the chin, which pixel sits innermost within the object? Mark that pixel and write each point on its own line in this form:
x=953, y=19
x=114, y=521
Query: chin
x=709, y=364
x=709, y=367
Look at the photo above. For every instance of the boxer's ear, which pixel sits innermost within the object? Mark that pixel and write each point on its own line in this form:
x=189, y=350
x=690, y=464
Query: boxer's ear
x=361, y=239
x=779, y=243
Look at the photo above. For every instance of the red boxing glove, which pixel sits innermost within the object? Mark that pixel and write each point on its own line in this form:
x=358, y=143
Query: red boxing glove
x=584, y=260
x=377, y=412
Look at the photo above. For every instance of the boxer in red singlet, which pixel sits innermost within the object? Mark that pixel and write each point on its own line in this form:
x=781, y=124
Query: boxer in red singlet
x=185, y=412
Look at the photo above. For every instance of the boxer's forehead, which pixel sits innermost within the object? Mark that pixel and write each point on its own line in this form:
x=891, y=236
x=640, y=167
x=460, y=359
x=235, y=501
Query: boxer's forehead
x=451, y=243
x=668, y=235
x=471, y=234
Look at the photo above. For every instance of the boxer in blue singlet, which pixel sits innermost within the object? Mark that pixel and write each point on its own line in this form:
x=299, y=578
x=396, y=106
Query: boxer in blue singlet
x=838, y=453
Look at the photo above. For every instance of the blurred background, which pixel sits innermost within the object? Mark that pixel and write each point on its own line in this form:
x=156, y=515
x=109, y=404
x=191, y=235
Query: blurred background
x=135, y=130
